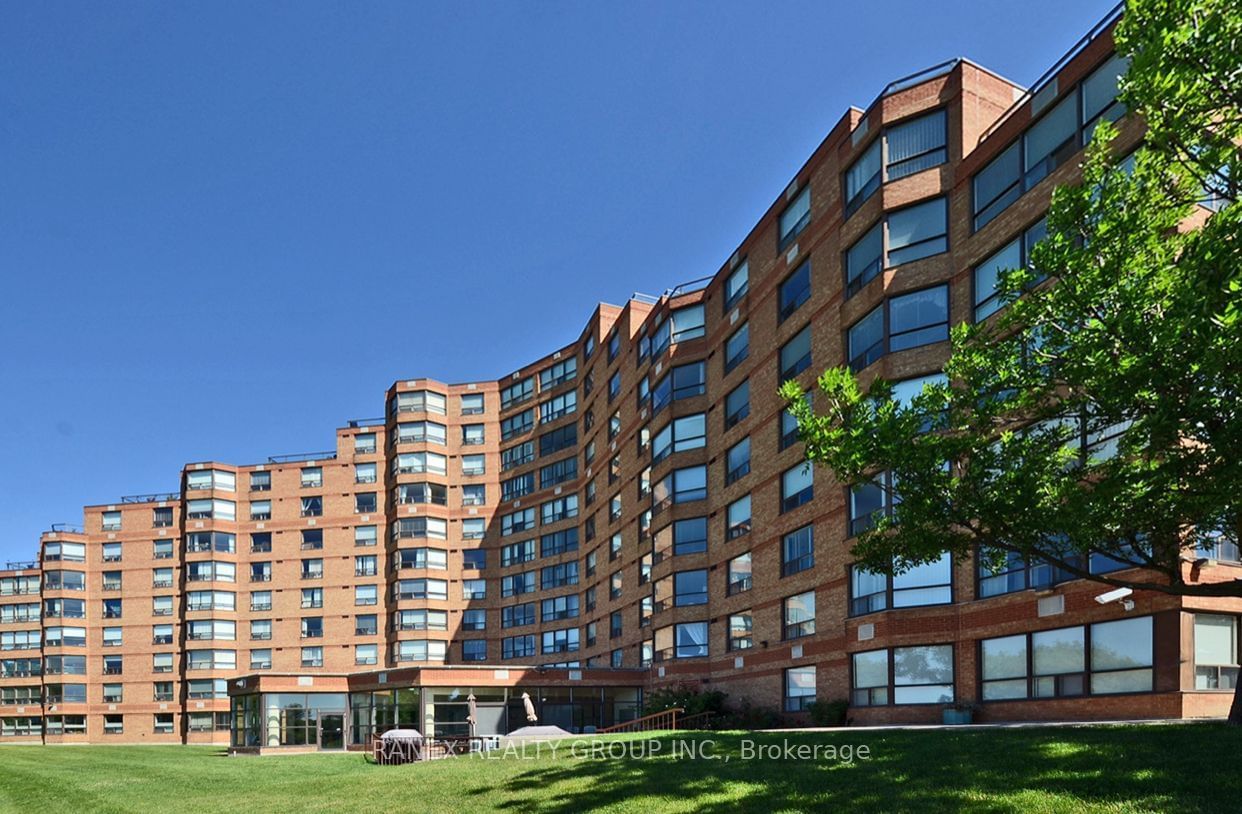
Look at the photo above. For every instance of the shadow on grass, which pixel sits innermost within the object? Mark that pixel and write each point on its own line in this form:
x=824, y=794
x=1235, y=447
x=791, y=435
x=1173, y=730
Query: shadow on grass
x=1153, y=768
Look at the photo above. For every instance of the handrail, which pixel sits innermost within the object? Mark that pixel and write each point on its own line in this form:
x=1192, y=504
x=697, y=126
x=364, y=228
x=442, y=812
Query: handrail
x=22, y=565
x=301, y=456
x=66, y=528
x=689, y=287
x=664, y=719
x=355, y=423
x=1039, y=84
x=155, y=497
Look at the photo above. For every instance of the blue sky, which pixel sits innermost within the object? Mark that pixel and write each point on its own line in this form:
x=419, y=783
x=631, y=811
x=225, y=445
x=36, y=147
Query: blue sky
x=226, y=227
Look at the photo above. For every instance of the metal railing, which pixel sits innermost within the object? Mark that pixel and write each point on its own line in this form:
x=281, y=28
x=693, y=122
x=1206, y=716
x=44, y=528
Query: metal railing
x=355, y=423
x=300, y=457
x=665, y=719
x=154, y=497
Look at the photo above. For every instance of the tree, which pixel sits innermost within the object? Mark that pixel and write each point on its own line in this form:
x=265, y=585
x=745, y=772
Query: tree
x=1092, y=424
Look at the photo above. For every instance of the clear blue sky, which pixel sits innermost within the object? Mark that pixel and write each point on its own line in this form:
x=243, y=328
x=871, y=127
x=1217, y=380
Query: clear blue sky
x=225, y=228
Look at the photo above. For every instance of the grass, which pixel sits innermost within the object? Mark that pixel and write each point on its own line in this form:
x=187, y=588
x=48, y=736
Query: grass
x=1114, y=769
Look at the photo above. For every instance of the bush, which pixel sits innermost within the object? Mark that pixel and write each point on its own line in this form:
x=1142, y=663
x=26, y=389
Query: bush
x=829, y=713
x=689, y=697
x=748, y=716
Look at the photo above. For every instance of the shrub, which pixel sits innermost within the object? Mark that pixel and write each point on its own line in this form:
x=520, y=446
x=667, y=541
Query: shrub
x=829, y=713
x=690, y=697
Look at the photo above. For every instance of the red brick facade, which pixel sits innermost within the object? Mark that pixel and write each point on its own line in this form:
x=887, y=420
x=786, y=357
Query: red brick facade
x=320, y=593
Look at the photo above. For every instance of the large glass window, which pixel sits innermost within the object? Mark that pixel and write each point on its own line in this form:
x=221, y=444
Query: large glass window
x=797, y=551
x=795, y=355
x=903, y=675
x=690, y=639
x=919, y=318
x=794, y=291
x=795, y=217
x=862, y=178
x=864, y=259
x=1013, y=255
x=918, y=231
x=1216, y=652
x=736, y=284
x=866, y=339
x=915, y=145
x=681, y=434
x=797, y=487
x=798, y=615
x=926, y=584
x=1101, y=659
x=737, y=404
x=799, y=688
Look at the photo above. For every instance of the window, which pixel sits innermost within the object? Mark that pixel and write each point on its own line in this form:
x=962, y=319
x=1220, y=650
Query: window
x=162, y=516
x=682, y=382
x=516, y=553
x=682, y=325
x=862, y=178
x=864, y=260
x=1216, y=652
x=795, y=218
x=915, y=319
x=913, y=675
x=794, y=291
x=260, y=659
x=737, y=520
x=915, y=145
x=680, y=434
x=562, y=438
x=740, y=632
x=516, y=456
x=417, y=463
x=556, y=576
x=559, y=608
x=690, y=640
x=918, y=231
x=366, y=654
x=1049, y=143
x=312, y=569
x=560, y=471
x=797, y=551
x=112, y=521
x=312, y=656
x=111, y=552
x=421, y=589
x=211, y=479
x=474, y=559
x=517, y=521
x=998, y=185
x=515, y=584
x=799, y=688
x=472, y=434
x=312, y=506
x=312, y=597
x=422, y=432
x=560, y=641
x=690, y=588
x=796, y=354
x=737, y=347
x=518, y=615
x=737, y=404
x=312, y=477
x=261, y=629
x=737, y=461
x=798, y=615
x=681, y=486
x=558, y=373
x=365, y=502
x=114, y=724
x=868, y=501
x=517, y=393
x=364, y=535
x=435, y=528
x=736, y=285
x=471, y=403
x=435, y=558
x=797, y=487
x=513, y=647
x=1014, y=255
x=366, y=595
x=558, y=406
x=927, y=584
x=366, y=624
x=473, y=528
x=562, y=508
x=918, y=318
x=1100, y=659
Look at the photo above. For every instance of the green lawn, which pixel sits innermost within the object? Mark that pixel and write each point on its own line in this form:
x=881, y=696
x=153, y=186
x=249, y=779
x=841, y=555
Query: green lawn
x=1132, y=768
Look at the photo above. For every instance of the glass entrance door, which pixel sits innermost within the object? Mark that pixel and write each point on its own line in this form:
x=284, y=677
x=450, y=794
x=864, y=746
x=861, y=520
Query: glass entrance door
x=331, y=730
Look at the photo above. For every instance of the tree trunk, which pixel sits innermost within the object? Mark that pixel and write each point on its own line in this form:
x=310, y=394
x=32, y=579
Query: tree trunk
x=1235, y=711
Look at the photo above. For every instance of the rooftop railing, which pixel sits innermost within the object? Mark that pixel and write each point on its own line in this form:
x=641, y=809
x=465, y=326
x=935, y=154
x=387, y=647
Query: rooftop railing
x=301, y=456
x=154, y=497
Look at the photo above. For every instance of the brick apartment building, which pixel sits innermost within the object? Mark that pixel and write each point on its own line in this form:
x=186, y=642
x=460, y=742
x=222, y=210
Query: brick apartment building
x=632, y=509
